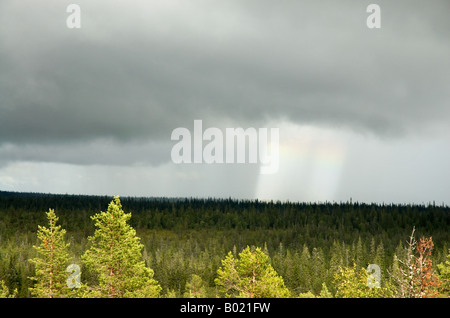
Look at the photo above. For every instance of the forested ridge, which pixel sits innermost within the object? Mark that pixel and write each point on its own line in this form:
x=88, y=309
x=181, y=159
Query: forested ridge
x=186, y=240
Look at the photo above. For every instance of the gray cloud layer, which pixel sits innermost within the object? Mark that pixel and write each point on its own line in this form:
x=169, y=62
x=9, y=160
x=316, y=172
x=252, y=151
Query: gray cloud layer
x=135, y=72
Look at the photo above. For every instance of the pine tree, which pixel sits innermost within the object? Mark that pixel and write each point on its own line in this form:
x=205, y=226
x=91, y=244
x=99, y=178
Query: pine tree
x=115, y=255
x=250, y=276
x=53, y=257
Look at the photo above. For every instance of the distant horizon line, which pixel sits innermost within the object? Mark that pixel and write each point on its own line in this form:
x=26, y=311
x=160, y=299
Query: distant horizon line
x=350, y=201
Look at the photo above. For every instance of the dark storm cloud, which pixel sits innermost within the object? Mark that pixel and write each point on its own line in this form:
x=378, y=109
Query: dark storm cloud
x=94, y=152
x=135, y=72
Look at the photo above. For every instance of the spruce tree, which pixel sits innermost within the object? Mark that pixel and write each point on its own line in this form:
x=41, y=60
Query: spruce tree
x=53, y=257
x=115, y=255
x=360, y=254
x=379, y=258
x=306, y=275
x=318, y=269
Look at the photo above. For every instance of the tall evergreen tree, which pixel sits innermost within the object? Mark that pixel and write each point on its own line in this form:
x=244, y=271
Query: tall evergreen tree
x=336, y=258
x=373, y=251
x=379, y=258
x=115, y=255
x=306, y=270
x=360, y=254
x=318, y=270
x=53, y=257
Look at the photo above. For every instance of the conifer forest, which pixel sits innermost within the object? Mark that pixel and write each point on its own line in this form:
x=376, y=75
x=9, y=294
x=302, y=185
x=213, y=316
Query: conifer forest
x=98, y=246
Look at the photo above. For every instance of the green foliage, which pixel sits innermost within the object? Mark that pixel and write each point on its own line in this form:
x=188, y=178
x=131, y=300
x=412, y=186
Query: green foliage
x=195, y=288
x=171, y=294
x=51, y=263
x=325, y=293
x=307, y=295
x=352, y=283
x=307, y=242
x=4, y=291
x=250, y=276
x=115, y=256
x=444, y=275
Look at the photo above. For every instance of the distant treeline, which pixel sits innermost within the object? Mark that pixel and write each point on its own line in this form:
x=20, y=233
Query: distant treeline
x=343, y=221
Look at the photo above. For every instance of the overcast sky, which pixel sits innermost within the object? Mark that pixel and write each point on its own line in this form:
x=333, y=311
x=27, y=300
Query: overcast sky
x=362, y=113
